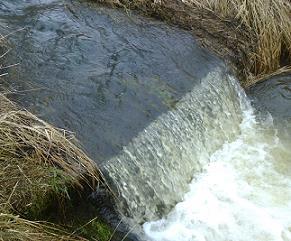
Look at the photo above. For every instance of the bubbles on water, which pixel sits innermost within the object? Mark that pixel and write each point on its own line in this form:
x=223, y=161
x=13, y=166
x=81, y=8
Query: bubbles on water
x=160, y=162
x=242, y=194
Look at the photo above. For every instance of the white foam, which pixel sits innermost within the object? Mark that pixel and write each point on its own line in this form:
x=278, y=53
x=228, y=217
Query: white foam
x=244, y=194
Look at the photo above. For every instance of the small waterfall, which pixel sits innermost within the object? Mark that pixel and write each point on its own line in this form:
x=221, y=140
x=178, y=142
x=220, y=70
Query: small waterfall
x=244, y=192
x=153, y=172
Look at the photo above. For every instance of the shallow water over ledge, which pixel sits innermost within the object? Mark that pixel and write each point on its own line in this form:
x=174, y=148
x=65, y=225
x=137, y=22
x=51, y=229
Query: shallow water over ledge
x=96, y=71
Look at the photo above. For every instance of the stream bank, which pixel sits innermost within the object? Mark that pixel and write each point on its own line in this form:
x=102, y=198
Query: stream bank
x=45, y=179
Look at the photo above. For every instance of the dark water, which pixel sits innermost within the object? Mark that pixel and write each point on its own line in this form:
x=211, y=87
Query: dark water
x=273, y=96
x=96, y=71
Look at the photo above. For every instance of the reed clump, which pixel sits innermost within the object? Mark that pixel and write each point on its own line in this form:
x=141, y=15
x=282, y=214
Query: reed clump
x=270, y=23
x=254, y=35
x=32, y=150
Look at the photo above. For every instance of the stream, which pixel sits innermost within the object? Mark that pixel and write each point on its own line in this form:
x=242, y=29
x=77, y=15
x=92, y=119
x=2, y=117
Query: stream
x=189, y=154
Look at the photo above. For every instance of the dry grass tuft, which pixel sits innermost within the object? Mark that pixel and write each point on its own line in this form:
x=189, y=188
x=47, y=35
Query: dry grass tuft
x=24, y=136
x=269, y=20
x=34, y=154
x=38, y=166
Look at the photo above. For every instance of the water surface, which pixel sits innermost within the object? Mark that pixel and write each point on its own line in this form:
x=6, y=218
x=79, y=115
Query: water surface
x=96, y=71
x=187, y=155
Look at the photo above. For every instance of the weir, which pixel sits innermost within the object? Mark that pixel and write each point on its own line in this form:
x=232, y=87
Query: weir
x=152, y=173
x=98, y=72
x=212, y=168
x=186, y=155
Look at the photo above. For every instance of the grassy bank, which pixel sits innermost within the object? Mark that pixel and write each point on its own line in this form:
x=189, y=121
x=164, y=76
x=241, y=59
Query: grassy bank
x=44, y=178
x=254, y=35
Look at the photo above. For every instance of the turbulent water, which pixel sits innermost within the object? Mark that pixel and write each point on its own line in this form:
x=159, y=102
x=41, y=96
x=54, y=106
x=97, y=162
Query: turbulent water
x=244, y=193
x=239, y=166
x=187, y=156
x=153, y=171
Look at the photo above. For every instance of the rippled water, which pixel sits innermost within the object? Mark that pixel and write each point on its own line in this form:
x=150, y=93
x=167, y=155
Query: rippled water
x=152, y=173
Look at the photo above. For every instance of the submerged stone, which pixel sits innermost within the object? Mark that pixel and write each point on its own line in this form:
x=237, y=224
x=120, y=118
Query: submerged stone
x=274, y=95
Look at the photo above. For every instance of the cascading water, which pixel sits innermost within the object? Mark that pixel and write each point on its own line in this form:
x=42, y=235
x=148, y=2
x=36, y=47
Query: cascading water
x=153, y=172
x=244, y=192
x=189, y=159
x=240, y=171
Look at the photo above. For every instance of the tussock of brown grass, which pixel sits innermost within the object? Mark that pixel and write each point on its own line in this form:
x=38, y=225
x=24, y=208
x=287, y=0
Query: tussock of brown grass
x=37, y=158
x=255, y=35
x=269, y=20
x=30, y=146
x=38, y=165
x=24, y=136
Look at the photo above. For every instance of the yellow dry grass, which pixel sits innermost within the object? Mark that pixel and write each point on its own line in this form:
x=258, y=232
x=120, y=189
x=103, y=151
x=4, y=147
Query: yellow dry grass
x=269, y=20
x=28, y=144
x=22, y=134
x=38, y=164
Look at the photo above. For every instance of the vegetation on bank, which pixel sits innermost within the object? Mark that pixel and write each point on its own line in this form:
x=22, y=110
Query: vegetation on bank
x=254, y=35
x=44, y=179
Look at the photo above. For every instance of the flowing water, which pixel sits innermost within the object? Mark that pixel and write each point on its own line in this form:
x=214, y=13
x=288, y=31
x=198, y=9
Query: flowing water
x=239, y=165
x=97, y=71
x=179, y=143
x=244, y=193
x=154, y=170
